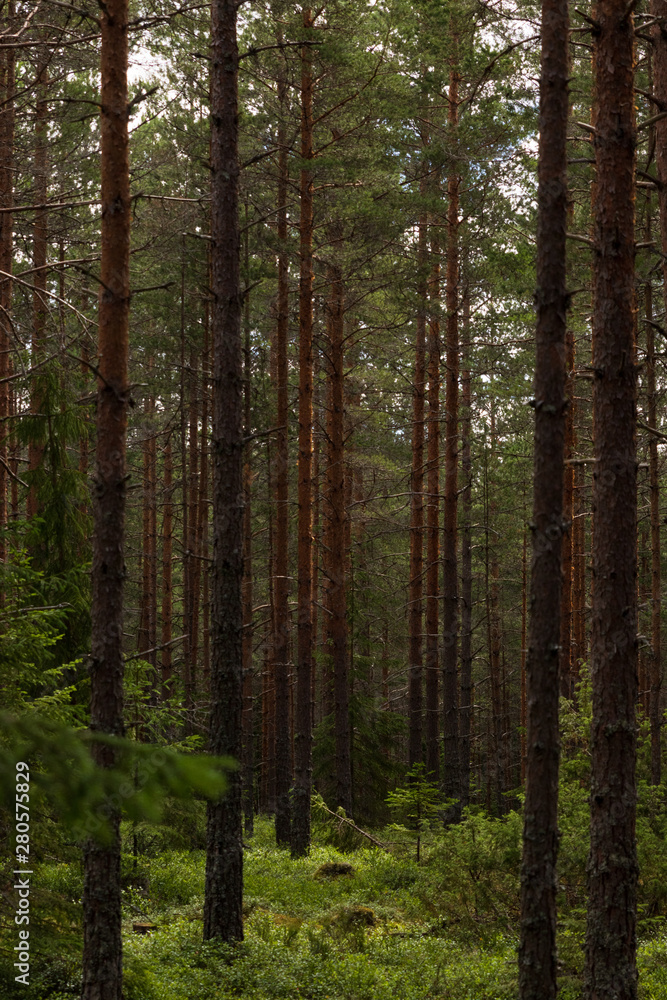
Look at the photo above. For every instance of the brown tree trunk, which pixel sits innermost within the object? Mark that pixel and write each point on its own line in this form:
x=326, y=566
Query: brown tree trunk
x=658, y=9
x=223, y=894
x=466, y=560
x=579, y=652
x=611, y=968
x=450, y=606
x=565, y=672
x=281, y=583
x=336, y=503
x=303, y=735
x=655, y=679
x=39, y=253
x=415, y=613
x=537, y=949
x=432, y=522
x=248, y=742
x=167, y=575
x=102, y=947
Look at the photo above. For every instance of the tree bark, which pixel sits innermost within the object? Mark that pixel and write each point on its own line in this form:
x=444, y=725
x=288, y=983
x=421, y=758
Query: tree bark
x=655, y=671
x=415, y=614
x=450, y=606
x=281, y=493
x=432, y=521
x=248, y=735
x=566, y=674
x=39, y=254
x=303, y=730
x=223, y=894
x=167, y=575
x=611, y=969
x=537, y=949
x=466, y=558
x=102, y=948
x=336, y=503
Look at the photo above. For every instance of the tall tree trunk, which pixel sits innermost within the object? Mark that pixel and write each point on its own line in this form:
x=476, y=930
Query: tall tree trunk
x=655, y=680
x=415, y=613
x=611, y=968
x=658, y=9
x=102, y=947
x=303, y=727
x=466, y=559
x=432, y=521
x=167, y=575
x=39, y=253
x=248, y=735
x=337, y=515
x=566, y=673
x=223, y=894
x=281, y=487
x=450, y=607
x=537, y=949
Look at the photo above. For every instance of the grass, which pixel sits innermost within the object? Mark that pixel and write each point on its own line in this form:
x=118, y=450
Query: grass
x=445, y=930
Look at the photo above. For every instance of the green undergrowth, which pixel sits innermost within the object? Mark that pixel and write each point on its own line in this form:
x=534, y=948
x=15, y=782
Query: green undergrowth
x=444, y=929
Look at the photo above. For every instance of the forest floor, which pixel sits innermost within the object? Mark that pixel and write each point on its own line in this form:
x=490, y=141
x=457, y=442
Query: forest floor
x=444, y=929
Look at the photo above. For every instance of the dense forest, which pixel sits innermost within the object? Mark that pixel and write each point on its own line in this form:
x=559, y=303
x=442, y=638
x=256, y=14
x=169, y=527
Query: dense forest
x=331, y=469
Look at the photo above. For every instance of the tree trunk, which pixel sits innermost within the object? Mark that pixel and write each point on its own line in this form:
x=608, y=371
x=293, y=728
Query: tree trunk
x=102, y=948
x=432, y=521
x=167, y=575
x=336, y=503
x=248, y=735
x=655, y=678
x=450, y=607
x=466, y=559
x=281, y=487
x=415, y=613
x=223, y=895
x=537, y=949
x=611, y=969
x=304, y=728
x=566, y=672
x=39, y=254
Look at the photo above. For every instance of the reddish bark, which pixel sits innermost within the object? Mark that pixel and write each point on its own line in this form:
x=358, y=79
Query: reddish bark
x=450, y=593
x=248, y=744
x=432, y=522
x=102, y=957
x=167, y=576
x=39, y=249
x=336, y=513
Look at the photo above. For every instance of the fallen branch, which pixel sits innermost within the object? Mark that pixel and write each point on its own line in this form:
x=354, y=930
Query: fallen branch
x=321, y=804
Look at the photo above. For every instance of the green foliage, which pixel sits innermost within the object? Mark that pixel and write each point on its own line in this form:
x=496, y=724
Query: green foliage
x=64, y=778
x=418, y=804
